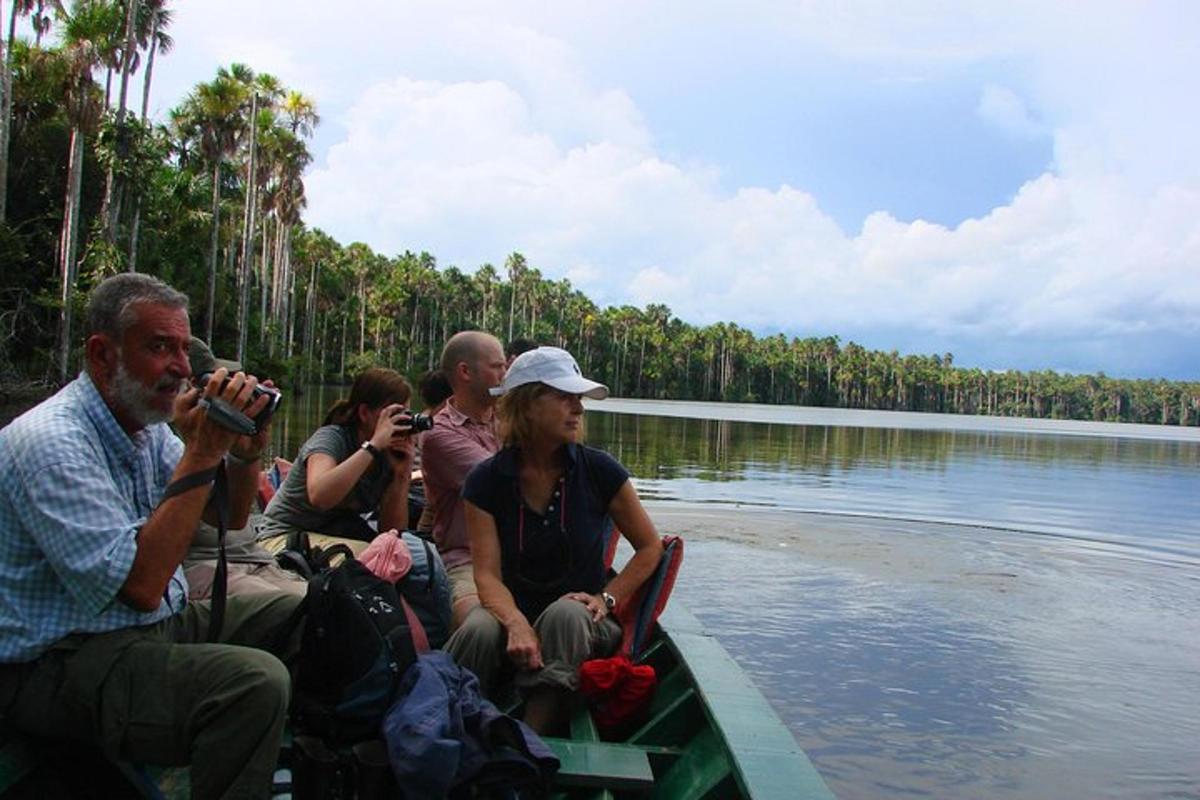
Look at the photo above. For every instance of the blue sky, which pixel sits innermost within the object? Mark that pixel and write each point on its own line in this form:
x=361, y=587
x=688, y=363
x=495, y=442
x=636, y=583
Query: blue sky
x=1014, y=182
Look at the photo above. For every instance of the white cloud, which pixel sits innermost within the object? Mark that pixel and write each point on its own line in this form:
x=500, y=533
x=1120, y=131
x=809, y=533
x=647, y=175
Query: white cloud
x=475, y=133
x=1003, y=107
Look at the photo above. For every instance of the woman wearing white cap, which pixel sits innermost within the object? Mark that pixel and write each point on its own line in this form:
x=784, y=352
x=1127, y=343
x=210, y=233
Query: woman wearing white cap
x=538, y=512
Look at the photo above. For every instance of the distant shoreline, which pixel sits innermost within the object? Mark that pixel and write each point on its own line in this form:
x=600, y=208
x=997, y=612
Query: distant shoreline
x=907, y=420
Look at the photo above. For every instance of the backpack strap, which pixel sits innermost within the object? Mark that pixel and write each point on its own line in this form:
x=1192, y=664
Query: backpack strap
x=297, y=542
x=429, y=566
x=294, y=561
x=220, y=585
x=319, y=557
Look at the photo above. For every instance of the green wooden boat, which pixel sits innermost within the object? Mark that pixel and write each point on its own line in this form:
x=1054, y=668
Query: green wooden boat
x=710, y=734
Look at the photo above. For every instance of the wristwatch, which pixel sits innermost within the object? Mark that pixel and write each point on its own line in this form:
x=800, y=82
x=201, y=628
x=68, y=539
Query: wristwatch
x=610, y=602
x=371, y=449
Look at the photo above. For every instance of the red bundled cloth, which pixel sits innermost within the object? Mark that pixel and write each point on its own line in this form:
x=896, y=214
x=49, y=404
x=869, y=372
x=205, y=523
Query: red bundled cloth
x=618, y=691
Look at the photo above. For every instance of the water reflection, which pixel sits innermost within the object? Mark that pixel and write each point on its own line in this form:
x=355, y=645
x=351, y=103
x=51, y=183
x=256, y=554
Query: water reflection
x=1134, y=492
x=1023, y=684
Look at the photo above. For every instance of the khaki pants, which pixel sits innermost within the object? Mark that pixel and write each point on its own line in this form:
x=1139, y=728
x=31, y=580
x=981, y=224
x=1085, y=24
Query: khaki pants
x=568, y=638
x=242, y=579
x=161, y=695
x=278, y=543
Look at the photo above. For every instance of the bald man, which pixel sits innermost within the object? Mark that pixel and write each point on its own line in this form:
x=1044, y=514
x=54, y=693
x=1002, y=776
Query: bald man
x=464, y=434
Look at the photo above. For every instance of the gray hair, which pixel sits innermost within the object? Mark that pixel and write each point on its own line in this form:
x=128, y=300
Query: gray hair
x=110, y=307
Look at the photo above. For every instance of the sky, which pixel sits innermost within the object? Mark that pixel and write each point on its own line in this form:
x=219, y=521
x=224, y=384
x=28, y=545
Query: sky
x=1017, y=183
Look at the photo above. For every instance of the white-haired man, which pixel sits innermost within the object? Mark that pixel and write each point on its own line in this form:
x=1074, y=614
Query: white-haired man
x=99, y=500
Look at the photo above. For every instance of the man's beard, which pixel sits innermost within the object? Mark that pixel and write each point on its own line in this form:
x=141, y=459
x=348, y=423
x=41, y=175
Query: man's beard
x=136, y=399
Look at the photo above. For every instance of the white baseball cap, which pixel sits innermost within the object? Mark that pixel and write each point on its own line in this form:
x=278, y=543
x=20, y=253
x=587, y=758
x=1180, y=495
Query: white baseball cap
x=554, y=367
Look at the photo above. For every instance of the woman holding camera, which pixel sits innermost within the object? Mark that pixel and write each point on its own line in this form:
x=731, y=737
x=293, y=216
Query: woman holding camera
x=357, y=464
x=538, y=513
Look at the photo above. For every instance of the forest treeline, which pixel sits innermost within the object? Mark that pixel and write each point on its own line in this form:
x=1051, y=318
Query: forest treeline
x=211, y=199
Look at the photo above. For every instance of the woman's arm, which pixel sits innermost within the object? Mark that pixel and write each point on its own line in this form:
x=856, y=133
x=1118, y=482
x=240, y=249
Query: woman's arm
x=635, y=525
x=393, y=506
x=524, y=649
x=329, y=483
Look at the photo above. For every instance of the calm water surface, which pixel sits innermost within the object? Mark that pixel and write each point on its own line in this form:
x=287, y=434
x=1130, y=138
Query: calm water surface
x=1003, y=612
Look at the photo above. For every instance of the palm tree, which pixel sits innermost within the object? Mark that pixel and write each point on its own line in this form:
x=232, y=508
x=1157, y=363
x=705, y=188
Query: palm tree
x=155, y=17
x=41, y=23
x=301, y=113
x=113, y=185
x=244, y=268
x=516, y=268
x=83, y=33
x=211, y=118
x=153, y=21
x=289, y=197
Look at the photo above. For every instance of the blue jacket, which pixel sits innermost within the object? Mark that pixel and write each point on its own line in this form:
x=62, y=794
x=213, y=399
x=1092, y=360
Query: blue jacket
x=443, y=736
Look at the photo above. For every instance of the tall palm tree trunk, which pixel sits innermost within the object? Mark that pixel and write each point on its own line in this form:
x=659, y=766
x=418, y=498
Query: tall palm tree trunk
x=291, y=292
x=245, y=272
x=135, y=224
x=6, y=90
x=68, y=244
x=362, y=314
x=342, y=363
x=264, y=282
x=111, y=207
x=214, y=241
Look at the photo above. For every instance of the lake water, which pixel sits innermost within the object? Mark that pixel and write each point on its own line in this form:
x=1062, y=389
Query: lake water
x=950, y=612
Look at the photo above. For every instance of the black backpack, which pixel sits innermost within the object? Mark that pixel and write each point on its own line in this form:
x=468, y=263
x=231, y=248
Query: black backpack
x=355, y=646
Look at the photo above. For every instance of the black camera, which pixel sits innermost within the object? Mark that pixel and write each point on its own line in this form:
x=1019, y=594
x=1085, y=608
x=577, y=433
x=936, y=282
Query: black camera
x=418, y=422
x=229, y=417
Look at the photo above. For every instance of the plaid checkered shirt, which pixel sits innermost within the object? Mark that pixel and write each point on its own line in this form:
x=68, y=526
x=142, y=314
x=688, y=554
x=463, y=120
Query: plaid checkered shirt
x=75, y=490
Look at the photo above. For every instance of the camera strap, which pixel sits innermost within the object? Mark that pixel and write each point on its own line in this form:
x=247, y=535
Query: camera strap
x=220, y=499
x=220, y=502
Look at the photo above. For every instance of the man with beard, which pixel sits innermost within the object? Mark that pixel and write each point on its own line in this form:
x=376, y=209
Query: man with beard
x=99, y=500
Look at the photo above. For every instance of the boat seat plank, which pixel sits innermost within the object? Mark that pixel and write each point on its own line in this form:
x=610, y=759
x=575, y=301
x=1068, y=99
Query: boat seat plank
x=583, y=727
x=601, y=765
x=584, y=794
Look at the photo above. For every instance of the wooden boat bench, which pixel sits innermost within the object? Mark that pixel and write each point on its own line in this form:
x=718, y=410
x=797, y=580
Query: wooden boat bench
x=587, y=763
x=601, y=765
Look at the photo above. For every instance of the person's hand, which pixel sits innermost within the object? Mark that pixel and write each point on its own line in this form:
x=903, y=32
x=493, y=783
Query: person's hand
x=390, y=427
x=197, y=427
x=250, y=448
x=595, y=604
x=400, y=454
x=524, y=649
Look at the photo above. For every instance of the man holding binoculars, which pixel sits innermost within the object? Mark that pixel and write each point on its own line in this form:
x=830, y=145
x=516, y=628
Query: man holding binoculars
x=99, y=500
